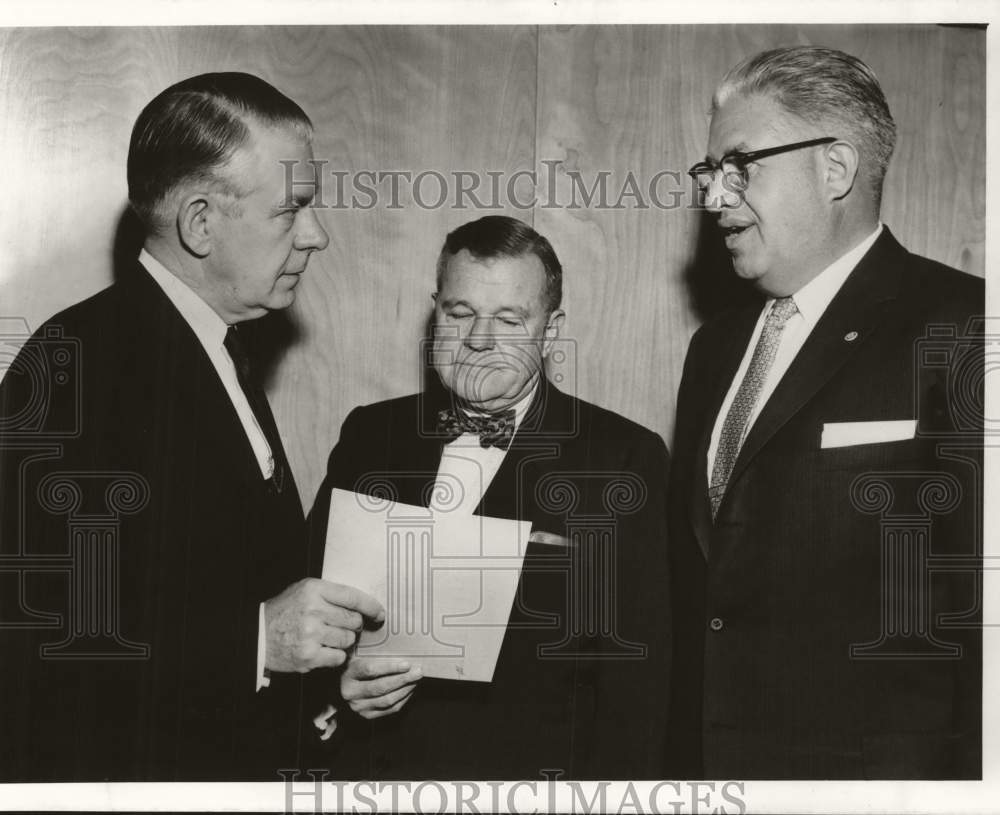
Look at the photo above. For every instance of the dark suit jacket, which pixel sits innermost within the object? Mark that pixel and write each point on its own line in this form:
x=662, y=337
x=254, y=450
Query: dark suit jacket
x=572, y=467
x=818, y=553
x=201, y=541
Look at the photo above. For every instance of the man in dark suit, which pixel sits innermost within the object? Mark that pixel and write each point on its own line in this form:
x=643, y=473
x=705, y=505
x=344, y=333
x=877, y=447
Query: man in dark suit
x=587, y=643
x=153, y=542
x=824, y=502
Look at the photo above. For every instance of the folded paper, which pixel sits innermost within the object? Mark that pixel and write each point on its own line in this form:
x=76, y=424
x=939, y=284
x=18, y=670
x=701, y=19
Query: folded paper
x=447, y=580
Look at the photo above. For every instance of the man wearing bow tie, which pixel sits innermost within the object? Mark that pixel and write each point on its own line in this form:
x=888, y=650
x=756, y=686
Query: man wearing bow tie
x=568, y=695
x=825, y=497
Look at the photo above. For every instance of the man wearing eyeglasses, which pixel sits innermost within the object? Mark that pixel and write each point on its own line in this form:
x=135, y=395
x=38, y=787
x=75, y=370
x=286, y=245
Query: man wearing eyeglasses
x=825, y=496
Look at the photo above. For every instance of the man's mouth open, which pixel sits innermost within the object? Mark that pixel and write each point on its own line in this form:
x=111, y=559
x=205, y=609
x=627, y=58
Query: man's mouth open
x=733, y=233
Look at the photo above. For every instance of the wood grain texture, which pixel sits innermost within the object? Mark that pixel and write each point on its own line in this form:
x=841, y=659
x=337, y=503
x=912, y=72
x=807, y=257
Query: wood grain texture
x=612, y=99
x=417, y=100
x=635, y=99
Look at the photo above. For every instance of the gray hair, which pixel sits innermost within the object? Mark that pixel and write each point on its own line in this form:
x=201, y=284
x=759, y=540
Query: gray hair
x=822, y=85
x=191, y=131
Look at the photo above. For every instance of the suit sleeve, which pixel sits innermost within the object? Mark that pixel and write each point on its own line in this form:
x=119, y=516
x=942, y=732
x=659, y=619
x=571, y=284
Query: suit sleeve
x=322, y=686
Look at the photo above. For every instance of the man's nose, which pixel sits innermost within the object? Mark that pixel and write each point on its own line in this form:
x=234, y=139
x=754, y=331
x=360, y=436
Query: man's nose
x=718, y=196
x=311, y=234
x=480, y=336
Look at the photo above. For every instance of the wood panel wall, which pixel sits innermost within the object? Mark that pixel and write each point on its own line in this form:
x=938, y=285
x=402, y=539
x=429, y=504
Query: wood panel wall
x=612, y=99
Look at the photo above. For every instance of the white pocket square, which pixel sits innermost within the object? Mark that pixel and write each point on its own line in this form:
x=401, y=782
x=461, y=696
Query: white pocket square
x=846, y=434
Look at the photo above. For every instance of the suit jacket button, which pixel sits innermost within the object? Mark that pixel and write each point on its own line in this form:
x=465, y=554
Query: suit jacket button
x=715, y=624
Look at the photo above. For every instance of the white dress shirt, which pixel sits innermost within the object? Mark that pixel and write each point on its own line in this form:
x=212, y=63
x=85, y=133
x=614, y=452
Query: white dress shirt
x=811, y=301
x=466, y=469
x=210, y=329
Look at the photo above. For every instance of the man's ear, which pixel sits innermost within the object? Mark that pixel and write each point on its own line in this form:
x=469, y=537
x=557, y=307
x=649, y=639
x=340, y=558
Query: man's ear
x=842, y=162
x=193, y=226
x=552, y=327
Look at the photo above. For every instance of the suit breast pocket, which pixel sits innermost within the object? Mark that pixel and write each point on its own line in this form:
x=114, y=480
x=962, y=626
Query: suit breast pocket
x=910, y=454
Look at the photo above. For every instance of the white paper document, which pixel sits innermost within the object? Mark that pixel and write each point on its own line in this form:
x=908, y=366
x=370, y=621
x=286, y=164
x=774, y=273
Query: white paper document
x=447, y=581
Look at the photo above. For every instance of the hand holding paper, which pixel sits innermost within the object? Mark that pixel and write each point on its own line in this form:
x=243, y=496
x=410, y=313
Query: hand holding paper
x=375, y=687
x=312, y=623
x=447, y=581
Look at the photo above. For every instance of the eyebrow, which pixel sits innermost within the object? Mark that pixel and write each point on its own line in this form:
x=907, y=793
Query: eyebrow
x=739, y=148
x=299, y=199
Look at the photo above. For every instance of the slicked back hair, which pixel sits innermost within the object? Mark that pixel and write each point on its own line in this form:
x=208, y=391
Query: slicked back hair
x=827, y=87
x=499, y=236
x=191, y=130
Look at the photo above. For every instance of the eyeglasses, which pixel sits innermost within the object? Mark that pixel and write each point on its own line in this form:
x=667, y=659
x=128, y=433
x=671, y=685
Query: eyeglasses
x=735, y=177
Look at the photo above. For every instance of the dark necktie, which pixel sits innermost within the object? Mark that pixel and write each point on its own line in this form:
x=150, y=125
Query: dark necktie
x=258, y=404
x=735, y=425
x=496, y=430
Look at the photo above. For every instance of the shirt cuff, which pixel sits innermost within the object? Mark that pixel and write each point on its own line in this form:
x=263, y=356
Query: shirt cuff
x=263, y=680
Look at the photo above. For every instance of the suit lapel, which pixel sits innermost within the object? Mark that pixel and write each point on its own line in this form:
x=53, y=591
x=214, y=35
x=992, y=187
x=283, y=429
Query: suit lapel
x=542, y=426
x=177, y=353
x=850, y=319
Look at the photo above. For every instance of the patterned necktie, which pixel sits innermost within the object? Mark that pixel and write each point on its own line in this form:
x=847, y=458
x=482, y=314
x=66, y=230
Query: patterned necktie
x=734, y=428
x=496, y=430
x=258, y=404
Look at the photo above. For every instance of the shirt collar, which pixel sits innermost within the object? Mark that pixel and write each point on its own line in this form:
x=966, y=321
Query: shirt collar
x=209, y=327
x=813, y=298
x=521, y=408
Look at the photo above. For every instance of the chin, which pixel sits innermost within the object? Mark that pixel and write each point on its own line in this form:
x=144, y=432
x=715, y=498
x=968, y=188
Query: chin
x=477, y=386
x=479, y=396
x=747, y=270
x=281, y=300
x=759, y=282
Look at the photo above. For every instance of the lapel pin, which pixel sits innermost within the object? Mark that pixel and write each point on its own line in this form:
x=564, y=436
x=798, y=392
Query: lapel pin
x=850, y=336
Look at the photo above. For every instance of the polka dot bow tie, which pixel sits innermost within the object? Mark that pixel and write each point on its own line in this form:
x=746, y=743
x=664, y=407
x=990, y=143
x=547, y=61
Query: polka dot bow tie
x=493, y=431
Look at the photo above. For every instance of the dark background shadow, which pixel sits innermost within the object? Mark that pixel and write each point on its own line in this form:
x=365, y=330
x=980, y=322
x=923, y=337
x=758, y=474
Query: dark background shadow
x=712, y=285
x=129, y=236
x=268, y=339
x=430, y=378
x=271, y=337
